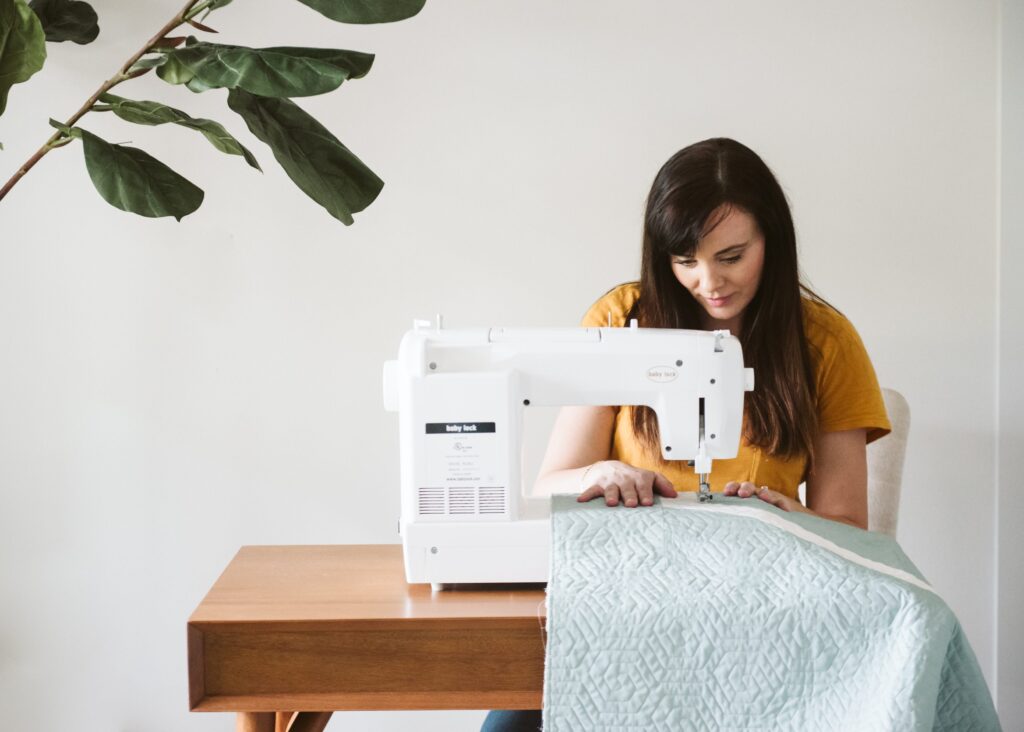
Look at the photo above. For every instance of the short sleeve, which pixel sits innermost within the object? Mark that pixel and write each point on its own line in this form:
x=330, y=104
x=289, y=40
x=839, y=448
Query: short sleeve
x=614, y=305
x=849, y=396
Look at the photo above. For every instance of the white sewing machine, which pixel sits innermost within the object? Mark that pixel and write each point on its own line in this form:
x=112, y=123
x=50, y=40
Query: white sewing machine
x=460, y=395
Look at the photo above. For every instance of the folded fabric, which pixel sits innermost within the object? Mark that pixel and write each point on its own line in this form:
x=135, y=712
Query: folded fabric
x=735, y=615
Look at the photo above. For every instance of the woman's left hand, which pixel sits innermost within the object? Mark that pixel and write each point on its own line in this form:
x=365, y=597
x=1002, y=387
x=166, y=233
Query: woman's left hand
x=766, y=494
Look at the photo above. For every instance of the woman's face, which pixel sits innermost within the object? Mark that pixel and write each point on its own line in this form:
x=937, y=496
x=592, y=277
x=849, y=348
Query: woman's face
x=724, y=272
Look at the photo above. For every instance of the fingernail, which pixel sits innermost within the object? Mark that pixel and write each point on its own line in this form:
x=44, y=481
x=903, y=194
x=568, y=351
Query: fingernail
x=762, y=488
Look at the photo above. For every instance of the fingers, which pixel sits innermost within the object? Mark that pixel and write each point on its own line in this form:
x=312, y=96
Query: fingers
x=638, y=487
x=610, y=493
x=645, y=489
x=775, y=498
x=618, y=482
x=664, y=486
x=590, y=493
x=744, y=490
x=629, y=494
x=780, y=500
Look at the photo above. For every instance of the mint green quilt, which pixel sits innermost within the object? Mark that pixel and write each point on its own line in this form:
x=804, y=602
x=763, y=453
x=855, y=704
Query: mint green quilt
x=736, y=615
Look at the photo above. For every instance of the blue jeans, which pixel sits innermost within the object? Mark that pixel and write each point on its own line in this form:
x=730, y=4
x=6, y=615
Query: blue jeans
x=518, y=720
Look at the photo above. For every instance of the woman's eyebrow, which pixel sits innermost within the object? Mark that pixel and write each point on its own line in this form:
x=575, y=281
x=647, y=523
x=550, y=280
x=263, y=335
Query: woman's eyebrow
x=733, y=249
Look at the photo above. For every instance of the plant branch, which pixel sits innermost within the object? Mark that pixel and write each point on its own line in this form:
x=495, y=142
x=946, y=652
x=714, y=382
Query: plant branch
x=197, y=9
x=187, y=12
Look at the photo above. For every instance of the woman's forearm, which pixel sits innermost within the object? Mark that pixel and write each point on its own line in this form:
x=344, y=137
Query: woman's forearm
x=560, y=482
x=842, y=520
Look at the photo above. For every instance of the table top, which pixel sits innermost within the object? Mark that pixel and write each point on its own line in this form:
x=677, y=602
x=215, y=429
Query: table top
x=321, y=628
x=361, y=582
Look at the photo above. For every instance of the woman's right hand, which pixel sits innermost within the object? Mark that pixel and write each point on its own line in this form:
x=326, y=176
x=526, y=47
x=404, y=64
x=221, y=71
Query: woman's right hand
x=616, y=480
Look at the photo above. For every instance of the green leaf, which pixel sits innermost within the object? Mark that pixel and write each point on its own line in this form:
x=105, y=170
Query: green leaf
x=155, y=113
x=167, y=43
x=196, y=86
x=69, y=131
x=145, y=64
x=200, y=26
x=325, y=170
x=135, y=181
x=22, y=46
x=366, y=11
x=269, y=72
x=67, y=20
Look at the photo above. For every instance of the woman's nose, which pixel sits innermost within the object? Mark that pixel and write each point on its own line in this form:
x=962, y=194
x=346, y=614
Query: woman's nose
x=711, y=279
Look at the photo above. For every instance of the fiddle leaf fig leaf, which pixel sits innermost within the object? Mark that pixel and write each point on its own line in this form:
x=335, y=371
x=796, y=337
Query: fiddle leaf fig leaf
x=167, y=42
x=22, y=46
x=323, y=168
x=173, y=71
x=68, y=131
x=196, y=86
x=134, y=181
x=200, y=26
x=67, y=20
x=269, y=72
x=155, y=113
x=366, y=11
x=145, y=64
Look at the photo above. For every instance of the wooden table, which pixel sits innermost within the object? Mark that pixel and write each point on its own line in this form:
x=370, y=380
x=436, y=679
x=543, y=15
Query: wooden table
x=314, y=629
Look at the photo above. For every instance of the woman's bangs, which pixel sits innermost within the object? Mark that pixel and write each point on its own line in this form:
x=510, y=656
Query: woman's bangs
x=678, y=229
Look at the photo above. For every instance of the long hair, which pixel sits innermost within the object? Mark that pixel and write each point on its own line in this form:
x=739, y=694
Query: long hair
x=691, y=194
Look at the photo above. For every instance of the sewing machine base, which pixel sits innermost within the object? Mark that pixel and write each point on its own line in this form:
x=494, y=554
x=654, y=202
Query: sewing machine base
x=473, y=553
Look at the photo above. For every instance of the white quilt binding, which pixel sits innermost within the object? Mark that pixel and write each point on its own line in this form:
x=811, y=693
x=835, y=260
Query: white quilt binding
x=690, y=503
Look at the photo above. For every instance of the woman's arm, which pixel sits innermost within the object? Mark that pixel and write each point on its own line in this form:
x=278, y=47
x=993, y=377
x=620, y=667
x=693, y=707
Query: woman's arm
x=577, y=462
x=837, y=486
x=581, y=437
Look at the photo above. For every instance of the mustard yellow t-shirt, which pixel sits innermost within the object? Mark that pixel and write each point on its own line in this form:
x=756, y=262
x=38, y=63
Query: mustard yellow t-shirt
x=848, y=397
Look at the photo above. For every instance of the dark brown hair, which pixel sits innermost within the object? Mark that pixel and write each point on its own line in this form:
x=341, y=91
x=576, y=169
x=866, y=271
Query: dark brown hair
x=691, y=194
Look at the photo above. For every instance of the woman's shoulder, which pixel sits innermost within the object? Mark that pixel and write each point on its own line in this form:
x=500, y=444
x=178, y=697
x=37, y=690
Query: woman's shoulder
x=616, y=304
x=848, y=393
x=825, y=327
x=835, y=345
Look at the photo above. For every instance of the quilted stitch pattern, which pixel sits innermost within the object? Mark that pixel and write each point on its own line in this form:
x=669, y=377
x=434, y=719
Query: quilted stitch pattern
x=692, y=620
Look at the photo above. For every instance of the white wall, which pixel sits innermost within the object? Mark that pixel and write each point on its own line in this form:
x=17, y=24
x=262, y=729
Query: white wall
x=172, y=391
x=1010, y=396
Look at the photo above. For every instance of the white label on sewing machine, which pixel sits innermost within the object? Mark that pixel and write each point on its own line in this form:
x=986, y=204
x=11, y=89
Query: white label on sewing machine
x=459, y=453
x=662, y=374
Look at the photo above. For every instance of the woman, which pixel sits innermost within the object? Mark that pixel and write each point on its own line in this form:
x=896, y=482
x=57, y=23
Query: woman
x=719, y=252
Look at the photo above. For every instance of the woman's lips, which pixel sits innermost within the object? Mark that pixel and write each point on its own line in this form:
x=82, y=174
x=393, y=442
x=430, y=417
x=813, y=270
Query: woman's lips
x=718, y=302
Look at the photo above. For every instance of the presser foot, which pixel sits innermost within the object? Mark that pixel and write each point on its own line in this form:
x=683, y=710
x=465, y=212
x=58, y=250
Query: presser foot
x=705, y=492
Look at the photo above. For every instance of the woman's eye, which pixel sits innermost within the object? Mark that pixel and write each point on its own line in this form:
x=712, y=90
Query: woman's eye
x=732, y=260
x=686, y=263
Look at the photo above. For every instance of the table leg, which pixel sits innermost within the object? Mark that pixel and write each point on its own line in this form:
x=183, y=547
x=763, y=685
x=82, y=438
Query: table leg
x=254, y=722
x=310, y=722
x=284, y=721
